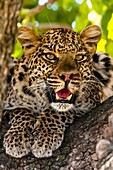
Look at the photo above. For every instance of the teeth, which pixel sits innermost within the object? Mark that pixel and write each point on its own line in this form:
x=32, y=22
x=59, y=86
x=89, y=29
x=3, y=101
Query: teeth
x=69, y=97
x=57, y=97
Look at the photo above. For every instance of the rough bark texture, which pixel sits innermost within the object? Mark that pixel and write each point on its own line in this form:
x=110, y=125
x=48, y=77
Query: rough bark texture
x=9, y=11
x=78, y=148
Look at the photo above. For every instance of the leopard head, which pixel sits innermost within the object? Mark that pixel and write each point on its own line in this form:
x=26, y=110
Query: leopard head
x=62, y=58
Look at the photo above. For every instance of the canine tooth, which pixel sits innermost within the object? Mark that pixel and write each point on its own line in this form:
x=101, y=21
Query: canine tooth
x=69, y=97
x=57, y=97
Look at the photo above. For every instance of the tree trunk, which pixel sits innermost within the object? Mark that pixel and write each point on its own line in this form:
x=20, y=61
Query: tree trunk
x=9, y=11
x=78, y=148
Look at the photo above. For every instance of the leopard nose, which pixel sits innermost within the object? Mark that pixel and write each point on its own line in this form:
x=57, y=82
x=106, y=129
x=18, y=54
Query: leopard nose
x=65, y=76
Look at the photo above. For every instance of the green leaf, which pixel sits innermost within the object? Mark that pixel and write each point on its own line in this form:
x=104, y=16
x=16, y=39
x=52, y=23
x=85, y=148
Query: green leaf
x=109, y=47
x=110, y=28
x=101, y=45
x=30, y=4
x=97, y=6
x=17, y=50
x=82, y=19
x=108, y=3
x=104, y=21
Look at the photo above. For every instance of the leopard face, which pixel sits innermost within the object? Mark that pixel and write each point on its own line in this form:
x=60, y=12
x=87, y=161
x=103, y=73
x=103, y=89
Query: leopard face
x=62, y=58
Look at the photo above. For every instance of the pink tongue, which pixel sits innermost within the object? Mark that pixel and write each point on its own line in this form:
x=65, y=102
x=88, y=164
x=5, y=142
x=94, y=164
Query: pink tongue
x=63, y=94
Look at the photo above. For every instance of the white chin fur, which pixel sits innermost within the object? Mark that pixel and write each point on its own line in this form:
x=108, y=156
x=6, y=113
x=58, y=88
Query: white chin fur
x=62, y=107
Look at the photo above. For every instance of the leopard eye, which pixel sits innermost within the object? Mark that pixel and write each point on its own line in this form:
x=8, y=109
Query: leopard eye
x=50, y=56
x=79, y=57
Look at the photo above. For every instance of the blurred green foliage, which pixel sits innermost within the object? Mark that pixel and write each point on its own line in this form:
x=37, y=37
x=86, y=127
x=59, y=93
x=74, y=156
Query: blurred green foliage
x=76, y=14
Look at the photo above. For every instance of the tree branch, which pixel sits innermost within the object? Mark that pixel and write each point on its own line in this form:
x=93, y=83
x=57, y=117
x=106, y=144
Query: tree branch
x=104, y=147
x=47, y=26
x=39, y=8
x=78, y=148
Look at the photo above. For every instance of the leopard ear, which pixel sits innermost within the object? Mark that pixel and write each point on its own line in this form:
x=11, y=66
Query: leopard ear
x=28, y=39
x=90, y=36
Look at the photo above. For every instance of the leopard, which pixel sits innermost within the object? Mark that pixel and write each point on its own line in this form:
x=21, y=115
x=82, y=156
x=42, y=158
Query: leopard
x=60, y=76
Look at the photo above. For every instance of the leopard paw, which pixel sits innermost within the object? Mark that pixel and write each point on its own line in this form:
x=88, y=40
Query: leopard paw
x=47, y=138
x=16, y=143
x=18, y=139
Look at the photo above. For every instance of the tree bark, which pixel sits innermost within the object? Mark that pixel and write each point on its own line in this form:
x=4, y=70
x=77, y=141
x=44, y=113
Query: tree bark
x=9, y=12
x=77, y=151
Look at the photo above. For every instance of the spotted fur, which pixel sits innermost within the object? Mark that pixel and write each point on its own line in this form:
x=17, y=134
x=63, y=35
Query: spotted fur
x=59, y=77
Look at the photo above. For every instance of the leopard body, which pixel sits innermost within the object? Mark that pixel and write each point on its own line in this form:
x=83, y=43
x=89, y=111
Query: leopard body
x=60, y=76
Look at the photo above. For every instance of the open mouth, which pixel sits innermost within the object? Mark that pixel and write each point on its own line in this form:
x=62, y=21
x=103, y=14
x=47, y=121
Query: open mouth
x=62, y=100
x=63, y=96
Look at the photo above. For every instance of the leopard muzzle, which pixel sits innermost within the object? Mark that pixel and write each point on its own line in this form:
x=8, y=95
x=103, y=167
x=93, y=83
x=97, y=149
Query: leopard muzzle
x=64, y=99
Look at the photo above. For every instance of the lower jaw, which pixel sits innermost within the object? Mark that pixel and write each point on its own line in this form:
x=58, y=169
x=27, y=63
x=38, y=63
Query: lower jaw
x=62, y=107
